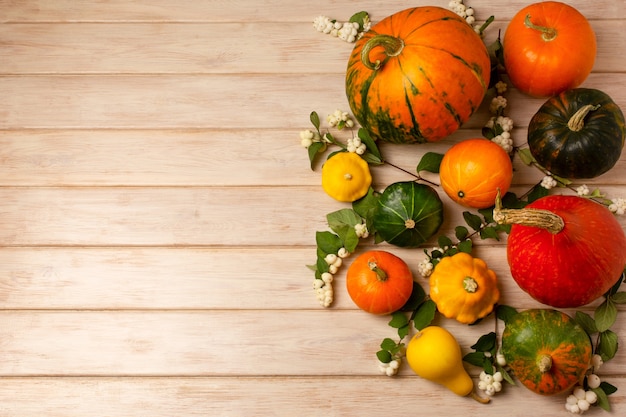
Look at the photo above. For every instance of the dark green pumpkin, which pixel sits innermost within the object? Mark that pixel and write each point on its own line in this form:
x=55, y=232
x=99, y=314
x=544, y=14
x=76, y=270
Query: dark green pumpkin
x=547, y=350
x=577, y=134
x=408, y=214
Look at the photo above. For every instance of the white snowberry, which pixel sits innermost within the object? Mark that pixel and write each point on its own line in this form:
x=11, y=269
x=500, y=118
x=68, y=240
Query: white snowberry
x=593, y=381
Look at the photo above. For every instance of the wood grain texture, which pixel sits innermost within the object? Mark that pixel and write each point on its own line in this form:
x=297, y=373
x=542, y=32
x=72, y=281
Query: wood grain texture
x=157, y=214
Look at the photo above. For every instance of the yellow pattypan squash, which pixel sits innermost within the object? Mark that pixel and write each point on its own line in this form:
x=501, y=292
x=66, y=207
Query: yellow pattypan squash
x=464, y=288
x=346, y=176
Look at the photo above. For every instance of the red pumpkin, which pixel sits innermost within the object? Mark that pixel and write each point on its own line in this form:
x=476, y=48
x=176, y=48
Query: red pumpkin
x=379, y=282
x=417, y=75
x=548, y=47
x=565, y=251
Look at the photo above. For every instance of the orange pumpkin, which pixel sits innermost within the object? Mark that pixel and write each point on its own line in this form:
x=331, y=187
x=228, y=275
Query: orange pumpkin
x=548, y=47
x=472, y=171
x=379, y=282
x=417, y=75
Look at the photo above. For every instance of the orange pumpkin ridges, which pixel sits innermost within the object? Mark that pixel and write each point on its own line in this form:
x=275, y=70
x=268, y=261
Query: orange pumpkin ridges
x=379, y=282
x=426, y=75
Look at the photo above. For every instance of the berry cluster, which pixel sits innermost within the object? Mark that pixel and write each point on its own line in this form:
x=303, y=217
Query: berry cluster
x=500, y=125
x=467, y=13
x=490, y=384
x=323, y=287
x=346, y=31
x=390, y=368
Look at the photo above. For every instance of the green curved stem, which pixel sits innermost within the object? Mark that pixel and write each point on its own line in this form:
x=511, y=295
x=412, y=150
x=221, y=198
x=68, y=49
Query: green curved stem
x=547, y=34
x=392, y=46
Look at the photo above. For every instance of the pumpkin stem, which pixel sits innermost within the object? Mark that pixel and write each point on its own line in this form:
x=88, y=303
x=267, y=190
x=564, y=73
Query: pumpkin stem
x=576, y=122
x=382, y=275
x=544, y=363
x=409, y=224
x=547, y=34
x=482, y=400
x=392, y=46
x=470, y=285
x=544, y=219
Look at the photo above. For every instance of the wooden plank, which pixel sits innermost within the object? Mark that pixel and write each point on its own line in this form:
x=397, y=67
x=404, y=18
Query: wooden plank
x=201, y=48
x=271, y=397
x=188, y=158
x=241, y=10
x=211, y=343
x=146, y=278
x=197, y=101
x=174, y=216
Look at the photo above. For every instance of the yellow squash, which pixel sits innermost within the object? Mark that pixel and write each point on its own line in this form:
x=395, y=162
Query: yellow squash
x=464, y=288
x=346, y=176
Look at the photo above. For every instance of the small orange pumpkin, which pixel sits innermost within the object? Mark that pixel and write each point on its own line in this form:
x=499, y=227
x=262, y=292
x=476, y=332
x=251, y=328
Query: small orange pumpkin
x=548, y=47
x=472, y=171
x=379, y=282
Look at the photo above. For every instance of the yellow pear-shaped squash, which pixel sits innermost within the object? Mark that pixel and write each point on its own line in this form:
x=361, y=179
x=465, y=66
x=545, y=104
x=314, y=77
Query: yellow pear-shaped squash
x=434, y=354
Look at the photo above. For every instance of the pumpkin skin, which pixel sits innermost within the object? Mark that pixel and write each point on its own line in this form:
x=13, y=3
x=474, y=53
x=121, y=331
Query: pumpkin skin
x=433, y=73
x=346, y=176
x=472, y=171
x=533, y=339
x=571, y=267
x=379, y=282
x=408, y=214
x=543, y=64
x=571, y=147
x=464, y=288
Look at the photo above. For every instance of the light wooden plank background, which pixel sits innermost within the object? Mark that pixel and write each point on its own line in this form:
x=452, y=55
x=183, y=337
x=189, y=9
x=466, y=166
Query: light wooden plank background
x=157, y=213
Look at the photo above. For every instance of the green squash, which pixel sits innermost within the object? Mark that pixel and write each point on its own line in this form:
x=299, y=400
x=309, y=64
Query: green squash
x=547, y=350
x=577, y=134
x=408, y=214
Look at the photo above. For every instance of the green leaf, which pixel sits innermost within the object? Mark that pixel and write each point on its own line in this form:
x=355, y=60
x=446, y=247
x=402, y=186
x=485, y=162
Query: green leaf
x=608, y=344
x=461, y=232
x=328, y=242
x=360, y=18
x=366, y=206
x=536, y=193
x=619, y=297
x=526, y=157
x=431, y=161
x=485, y=342
x=425, y=314
x=372, y=159
x=474, y=221
x=314, y=151
x=490, y=232
x=603, y=400
x=365, y=137
x=586, y=322
x=383, y=356
x=388, y=344
x=398, y=319
x=465, y=246
x=616, y=286
x=315, y=119
x=608, y=388
x=505, y=375
x=418, y=295
x=343, y=217
x=505, y=313
x=605, y=315
x=475, y=358
x=444, y=241
x=403, y=331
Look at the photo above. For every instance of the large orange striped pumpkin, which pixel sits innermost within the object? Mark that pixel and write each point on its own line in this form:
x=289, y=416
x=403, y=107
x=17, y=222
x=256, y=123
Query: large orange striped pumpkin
x=417, y=75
